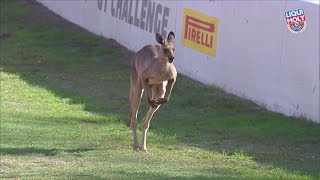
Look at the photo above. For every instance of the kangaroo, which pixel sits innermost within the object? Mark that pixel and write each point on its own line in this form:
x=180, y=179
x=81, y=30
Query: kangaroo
x=152, y=70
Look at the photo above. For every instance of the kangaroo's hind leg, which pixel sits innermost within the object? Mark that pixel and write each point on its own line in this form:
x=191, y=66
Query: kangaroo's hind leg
x=136, y=92
x=158, y=91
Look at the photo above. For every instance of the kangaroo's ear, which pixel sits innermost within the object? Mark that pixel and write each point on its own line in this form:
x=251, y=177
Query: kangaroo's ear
x=171, y=37
x=159, y=38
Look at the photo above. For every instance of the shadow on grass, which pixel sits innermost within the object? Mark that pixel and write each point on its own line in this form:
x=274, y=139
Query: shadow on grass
x=28, y=151
x=99, y=78
x=86, y=176
x=39, y=151
x=217, y=173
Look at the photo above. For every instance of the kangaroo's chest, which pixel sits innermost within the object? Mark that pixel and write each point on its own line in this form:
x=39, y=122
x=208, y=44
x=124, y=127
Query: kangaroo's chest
x=162, y=74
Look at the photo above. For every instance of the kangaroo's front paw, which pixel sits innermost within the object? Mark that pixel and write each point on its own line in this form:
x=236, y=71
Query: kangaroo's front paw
x=161, y=100
x=153, y=103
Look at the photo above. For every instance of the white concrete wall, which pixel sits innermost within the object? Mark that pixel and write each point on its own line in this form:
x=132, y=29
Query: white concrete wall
x=257, y=57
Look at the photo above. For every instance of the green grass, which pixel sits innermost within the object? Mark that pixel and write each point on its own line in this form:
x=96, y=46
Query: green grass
x=64, y=107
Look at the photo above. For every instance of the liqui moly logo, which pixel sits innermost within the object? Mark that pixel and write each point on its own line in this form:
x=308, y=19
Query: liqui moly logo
x=200, y=32
x=296, y=20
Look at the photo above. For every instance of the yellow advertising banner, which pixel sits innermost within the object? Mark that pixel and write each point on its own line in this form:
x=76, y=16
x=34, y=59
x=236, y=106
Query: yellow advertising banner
x=200, y=32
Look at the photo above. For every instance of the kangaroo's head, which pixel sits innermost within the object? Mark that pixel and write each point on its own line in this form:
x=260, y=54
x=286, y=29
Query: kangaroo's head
x=167, y=46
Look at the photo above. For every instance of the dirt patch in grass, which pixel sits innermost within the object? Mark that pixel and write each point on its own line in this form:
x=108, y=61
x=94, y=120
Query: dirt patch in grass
x=12, y=161
x=7, y=162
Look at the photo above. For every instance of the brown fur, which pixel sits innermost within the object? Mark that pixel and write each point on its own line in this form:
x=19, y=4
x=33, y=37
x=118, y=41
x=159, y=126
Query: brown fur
x=153, y=71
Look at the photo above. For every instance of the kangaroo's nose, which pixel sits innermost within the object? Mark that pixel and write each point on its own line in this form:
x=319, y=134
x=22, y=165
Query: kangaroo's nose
x=171, y=58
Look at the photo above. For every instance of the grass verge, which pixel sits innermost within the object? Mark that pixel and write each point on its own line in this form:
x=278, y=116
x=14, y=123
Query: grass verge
x=64, y=107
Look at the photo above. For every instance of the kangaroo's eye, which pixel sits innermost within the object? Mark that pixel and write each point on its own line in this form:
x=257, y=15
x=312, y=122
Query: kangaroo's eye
x=166, y=51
